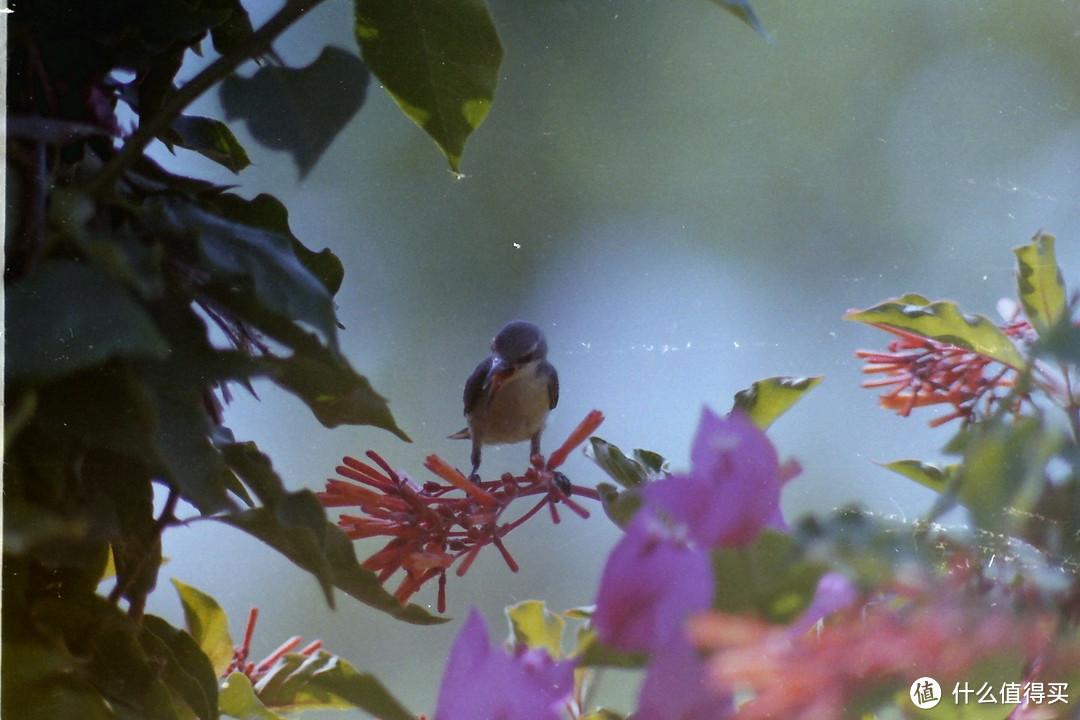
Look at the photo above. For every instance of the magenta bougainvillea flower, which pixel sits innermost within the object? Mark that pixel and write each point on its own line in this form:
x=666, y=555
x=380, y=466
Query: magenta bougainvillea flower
x=482, y=681
x=676, y=687
x=733, y=488
x=660, y=570
x=651, y=582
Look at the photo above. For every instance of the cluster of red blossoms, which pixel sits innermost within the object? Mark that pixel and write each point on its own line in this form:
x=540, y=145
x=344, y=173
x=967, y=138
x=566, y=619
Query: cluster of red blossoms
x=921, y=371
x=256, y=670
x=433, y=525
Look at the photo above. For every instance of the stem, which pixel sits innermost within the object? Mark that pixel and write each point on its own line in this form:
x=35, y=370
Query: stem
x=214, y=73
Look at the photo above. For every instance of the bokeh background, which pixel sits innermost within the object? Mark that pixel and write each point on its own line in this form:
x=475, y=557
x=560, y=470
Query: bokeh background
x=684, y=208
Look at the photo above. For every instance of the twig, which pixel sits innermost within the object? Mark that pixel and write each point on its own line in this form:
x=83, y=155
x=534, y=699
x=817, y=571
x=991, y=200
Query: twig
x=217, y=71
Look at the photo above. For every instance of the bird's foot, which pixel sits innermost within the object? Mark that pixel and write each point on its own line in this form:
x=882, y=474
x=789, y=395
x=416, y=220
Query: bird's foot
x=564, y=484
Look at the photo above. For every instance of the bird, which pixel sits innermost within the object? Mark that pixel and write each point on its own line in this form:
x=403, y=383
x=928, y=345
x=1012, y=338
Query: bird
x=510, y=393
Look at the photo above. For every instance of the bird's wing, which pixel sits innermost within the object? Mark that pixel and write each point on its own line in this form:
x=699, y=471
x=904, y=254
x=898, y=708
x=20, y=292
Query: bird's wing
x=474, y=386
x=547, y=370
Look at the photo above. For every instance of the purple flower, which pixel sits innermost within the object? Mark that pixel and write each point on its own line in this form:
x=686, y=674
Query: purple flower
x=650, y=583
x=733, y=489
x=834, y=592
x=676, y=688
x=486, y=683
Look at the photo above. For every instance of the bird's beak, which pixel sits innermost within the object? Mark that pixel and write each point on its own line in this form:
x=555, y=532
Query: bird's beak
x=500, y=372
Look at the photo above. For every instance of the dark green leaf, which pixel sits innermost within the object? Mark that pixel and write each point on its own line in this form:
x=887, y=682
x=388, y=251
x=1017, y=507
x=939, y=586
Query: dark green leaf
x=333, y=391
x=768, y=399
x=769, y=577
x=534, y=626
x=267, y=212
x=288, y=109
x=324, y=551
x=324, y=681
x=1061, y=342
x=42, y=681
x=1039, y=283
x=208, y=625
x=596, y=653
x=184, y=668
x=228, y=35
x=438, y=59
x=742, y=10
x=190, y=462
x=67, y=317
x=208, y=137
x=944, y=322
x=254, y=267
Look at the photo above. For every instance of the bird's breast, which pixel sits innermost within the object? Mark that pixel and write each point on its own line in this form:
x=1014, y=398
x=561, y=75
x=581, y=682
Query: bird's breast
x=516, y=413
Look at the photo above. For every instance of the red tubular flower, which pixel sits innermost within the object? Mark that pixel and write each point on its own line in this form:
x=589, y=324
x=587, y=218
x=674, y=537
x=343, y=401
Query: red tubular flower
x=256, y=670
x=430, y=526
x=920, y=371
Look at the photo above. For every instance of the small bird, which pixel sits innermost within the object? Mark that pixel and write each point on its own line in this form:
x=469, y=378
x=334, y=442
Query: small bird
x=510, y=393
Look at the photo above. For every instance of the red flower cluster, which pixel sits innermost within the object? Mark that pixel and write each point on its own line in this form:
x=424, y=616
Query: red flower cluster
x=867, y=651
x=921, y=371
x=431, y=527
x=255, y=670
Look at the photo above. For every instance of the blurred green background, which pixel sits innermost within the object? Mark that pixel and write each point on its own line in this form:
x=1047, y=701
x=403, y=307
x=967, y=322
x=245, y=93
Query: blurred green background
x=684, y=208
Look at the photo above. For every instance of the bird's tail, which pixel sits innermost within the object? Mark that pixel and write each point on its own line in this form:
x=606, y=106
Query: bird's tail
x=462, y=434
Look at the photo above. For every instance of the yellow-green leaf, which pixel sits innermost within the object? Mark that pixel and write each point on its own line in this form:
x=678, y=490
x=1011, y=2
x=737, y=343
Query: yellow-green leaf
x=943, y=321
x=768, y=399
x=1039, y=283
x=208, y=624
x=535, y=626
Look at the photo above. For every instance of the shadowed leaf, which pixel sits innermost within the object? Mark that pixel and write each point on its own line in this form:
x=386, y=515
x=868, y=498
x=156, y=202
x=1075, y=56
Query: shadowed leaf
x=299, y=110
x=208, y=137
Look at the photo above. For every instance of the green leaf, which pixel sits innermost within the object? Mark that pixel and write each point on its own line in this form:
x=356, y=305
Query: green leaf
x=943, y=321
x=190, y=461
x=1003, y=472
x=254, y=269
x=267, y=212
x=67, y=317
x=1061, y=342
x=927, y=475
x=596, y=654
x=298, y=529
x=619, y=506
x=534, y=626
x=183, y=666
x=287, y=109
x=769, y=577
x=333, y=391
x=324, y=681
x=766, y=400
x=238, y=699
x=1039, y=283
x=438, y=59
x=42, y=680
x=208, y=137
x=644, y=467
x=742, y=10
x=207, y=624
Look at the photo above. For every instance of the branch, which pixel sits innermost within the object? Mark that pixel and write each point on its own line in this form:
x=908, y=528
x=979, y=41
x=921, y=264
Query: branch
x=214, y=73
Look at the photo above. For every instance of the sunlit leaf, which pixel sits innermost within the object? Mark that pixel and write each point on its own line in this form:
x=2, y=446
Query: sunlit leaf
x=299, y=110
x=208, y=625
x=619, y=505
x=534, y=626
x=944, y=322
x=766, y=400
x=1039, y=283
x=438, y=59
x=208, y=137
x=324, y=681
x=295, y=529
x=68, y=316
x=927, y=475
x=237, y=699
